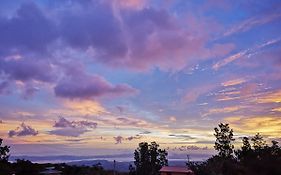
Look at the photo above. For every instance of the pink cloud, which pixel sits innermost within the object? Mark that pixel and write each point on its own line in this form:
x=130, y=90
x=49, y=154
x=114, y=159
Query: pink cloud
x=89, y=87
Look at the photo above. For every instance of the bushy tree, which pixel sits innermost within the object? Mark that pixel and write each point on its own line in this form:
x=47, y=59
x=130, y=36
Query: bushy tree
x=224, y=140
x=256, y=159
x=258, y=142
x=4, y=152
x=149, y=159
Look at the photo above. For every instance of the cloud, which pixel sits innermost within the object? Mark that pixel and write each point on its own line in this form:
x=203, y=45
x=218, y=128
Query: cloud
x=131, y=121
x=64, y=123
x=267, y=125
x=144, y=132
x=190, y=147
x=172, y=118
x=23, y=130
x=134, y=137
x=251, y=23
x=69, y=132
x=183, y=136
x=29, y=29
x=130, y=4
x=72, y=128
x=4, y=87
x=244, y=53
x=118, y=139
x=270, y=97
x=234, y=82
x=224, y=110
x=193, y=94
x=27, y=69
x=89, y=87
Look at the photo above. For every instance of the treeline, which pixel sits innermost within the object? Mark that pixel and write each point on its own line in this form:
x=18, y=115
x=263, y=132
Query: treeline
x=26, y=167
x=255, y=157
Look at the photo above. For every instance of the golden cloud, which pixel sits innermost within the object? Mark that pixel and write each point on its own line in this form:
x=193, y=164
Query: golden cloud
x=267, y=125
x=234, y=82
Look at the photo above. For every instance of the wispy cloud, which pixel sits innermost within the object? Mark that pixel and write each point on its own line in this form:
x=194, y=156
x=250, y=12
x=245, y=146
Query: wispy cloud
x=251, y=23
x=244, y=53
x=234, y=82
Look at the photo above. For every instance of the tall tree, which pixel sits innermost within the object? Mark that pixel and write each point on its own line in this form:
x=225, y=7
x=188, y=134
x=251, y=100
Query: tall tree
x=149, y=159
x=224, y=140
x=4, y=152
x=245, y=151
x=258, y=142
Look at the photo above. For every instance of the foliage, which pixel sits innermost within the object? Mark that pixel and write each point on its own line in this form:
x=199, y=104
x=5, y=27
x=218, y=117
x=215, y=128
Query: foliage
x=224, y=140
x=149, y=159
x=256, y=158
x=4, y=152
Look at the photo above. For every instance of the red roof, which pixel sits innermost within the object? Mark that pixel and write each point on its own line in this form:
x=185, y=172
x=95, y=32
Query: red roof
x=175, y=169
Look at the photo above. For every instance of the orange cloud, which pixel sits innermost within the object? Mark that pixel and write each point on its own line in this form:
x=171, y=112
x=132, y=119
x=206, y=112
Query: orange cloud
x=223, y=110
x=234, y=82
x=272, y=97
x=267, y=125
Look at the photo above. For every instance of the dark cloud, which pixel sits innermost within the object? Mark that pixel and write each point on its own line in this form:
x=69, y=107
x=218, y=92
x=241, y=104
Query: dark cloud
x=23, y=130
x=72, y=128
x=118, y=139
x=189, y=148
x=98, y=29
x=29, y=29
x=26, y=69
x=89, y=86
x=64, y=123
x=134, y=137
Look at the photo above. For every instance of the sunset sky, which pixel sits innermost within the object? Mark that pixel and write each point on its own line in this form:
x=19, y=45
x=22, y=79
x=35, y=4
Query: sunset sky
x=96, y=77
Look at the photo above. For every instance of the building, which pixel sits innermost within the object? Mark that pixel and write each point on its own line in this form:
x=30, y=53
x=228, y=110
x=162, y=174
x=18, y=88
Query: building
x=175, y=170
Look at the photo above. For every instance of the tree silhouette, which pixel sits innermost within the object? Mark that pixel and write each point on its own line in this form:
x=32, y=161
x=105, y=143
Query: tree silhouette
x=258, y=142
x=149, y=159
x=4, y=152
x=256, y=159
x=224, y=140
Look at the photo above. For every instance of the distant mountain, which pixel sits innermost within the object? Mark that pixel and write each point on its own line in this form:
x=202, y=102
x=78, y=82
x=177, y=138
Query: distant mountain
x=122, y=160
x=120, y=166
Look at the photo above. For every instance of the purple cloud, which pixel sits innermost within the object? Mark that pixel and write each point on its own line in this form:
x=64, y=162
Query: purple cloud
x=118, y=139
x=134, y=137
x=4, y=87
x=72, y=128
x=28, y=29
x=64, y=123
x=27, y=69
x=89, y=87
x=69, y=132
x=23, y=130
